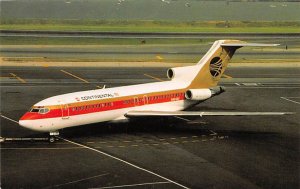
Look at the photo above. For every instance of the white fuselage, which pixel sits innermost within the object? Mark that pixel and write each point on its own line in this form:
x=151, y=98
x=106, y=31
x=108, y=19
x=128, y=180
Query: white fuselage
x=164, y=96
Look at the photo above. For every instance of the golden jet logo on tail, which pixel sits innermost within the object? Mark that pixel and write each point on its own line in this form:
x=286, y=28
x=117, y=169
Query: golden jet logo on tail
x=215, y=66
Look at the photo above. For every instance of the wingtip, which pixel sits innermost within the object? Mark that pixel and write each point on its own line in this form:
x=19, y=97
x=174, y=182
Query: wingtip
x=275, y=45
x=245, y=44
x=289, y=113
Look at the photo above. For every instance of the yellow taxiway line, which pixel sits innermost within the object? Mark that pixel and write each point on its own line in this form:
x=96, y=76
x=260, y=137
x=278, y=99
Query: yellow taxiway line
x=81, y=79
x=156, y=78
x=226, y=76
x=68, y=73
x=18, y=78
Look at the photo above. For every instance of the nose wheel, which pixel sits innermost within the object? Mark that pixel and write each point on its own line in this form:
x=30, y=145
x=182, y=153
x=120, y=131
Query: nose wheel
x=52, y=136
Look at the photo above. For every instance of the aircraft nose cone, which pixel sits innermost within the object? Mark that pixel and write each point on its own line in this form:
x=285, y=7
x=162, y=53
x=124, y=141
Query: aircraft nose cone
x=24, y=123
x=30, y=121
x=21, y=123
x=30, y=124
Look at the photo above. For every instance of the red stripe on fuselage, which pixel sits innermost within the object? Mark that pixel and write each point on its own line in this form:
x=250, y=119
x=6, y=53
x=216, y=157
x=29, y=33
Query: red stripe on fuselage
x=98, y=106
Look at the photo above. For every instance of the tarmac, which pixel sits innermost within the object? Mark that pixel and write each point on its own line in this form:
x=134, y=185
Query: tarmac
x=209, y=152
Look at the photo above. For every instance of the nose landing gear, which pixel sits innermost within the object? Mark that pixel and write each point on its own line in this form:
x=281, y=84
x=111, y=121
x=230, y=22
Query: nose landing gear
x=52, y=136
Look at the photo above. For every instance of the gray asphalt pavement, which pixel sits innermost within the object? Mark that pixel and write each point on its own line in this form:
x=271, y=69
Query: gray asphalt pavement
x=215, y=152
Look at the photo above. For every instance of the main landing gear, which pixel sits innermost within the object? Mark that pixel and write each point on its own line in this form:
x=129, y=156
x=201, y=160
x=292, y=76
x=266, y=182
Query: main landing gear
x=52, y=136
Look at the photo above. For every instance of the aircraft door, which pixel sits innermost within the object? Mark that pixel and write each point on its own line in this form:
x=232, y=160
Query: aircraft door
x=145, y=99
x=65, y=112
x=136, y=101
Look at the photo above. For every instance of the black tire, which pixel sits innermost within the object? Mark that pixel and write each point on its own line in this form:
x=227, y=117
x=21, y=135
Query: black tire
x=51, y=139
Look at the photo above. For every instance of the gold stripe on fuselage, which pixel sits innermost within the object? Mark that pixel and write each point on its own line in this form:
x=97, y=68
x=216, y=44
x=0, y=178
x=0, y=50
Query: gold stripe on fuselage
x=123, y=98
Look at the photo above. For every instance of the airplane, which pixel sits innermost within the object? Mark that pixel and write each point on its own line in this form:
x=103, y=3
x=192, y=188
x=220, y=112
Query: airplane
x=187, y=87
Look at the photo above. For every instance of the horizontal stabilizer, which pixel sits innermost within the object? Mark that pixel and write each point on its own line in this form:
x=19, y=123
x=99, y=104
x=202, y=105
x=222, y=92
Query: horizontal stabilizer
x=194, y=113
x=248, y=45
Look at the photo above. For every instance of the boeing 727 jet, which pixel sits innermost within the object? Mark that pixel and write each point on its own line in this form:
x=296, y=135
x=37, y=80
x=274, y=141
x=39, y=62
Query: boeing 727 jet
x=187, y=87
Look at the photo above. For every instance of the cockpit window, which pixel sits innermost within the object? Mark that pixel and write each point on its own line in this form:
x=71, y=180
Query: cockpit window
x=40, y=110
x=44, y=110
x=34, y=110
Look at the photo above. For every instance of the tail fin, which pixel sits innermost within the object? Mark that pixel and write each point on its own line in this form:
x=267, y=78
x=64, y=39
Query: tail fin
x=215, y=61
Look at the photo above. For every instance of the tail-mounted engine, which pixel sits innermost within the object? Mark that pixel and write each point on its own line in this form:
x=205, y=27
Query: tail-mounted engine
x=203, y=94
x=186, y=73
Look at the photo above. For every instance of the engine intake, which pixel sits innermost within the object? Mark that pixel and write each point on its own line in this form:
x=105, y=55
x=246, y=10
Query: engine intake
x=185, y=73
x=198, y=94
x=203, y=94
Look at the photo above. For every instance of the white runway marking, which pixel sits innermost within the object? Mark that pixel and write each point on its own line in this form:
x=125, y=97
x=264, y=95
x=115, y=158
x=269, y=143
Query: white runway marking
x=132, y=185
x=9, y=119
x=213, y=133
x=182, y=118
x=250, y=84
x=126, y=162
x=287, y=98
x=72, y=182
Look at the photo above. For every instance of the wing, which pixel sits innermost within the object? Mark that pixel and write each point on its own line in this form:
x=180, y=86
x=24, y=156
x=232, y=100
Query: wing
x=194, y=113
